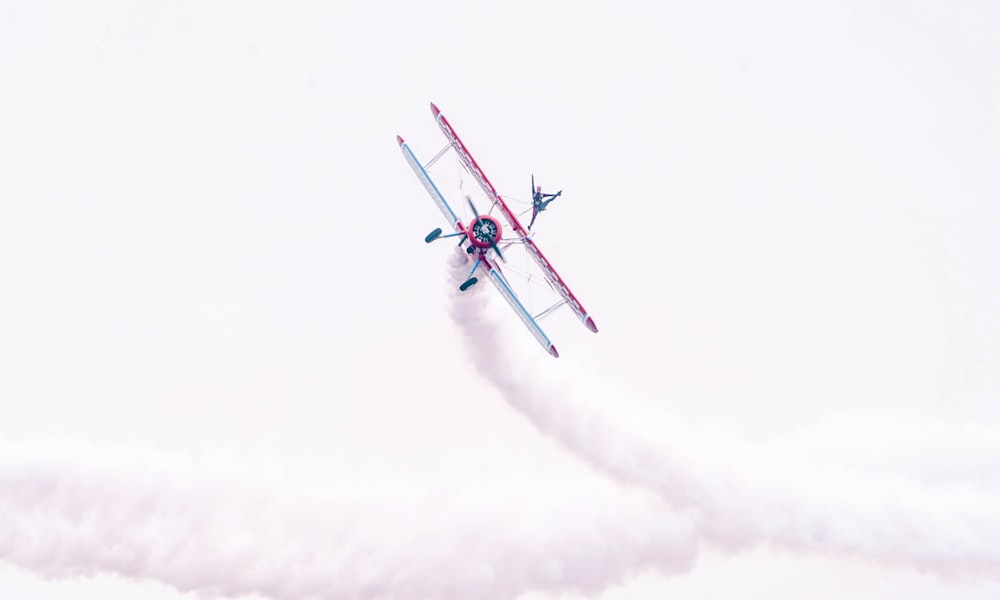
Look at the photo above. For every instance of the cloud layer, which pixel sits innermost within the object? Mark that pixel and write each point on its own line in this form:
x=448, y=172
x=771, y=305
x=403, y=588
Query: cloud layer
x=74, y=511
x=930, y=504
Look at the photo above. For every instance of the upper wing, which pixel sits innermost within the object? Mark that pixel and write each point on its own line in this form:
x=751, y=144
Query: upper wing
x=547, y=269
x=429, y=185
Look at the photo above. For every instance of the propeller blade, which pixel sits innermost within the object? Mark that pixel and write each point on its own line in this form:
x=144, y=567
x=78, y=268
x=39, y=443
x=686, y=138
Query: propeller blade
x=473, y=207
x=493, y=244
x=475, y=213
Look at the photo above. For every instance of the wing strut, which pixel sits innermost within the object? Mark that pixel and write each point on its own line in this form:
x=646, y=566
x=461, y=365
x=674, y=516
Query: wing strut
x=548, y=311
x=437, y=156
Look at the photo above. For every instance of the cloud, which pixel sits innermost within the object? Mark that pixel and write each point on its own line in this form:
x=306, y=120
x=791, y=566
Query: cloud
x=76, y=511
x=919, y=496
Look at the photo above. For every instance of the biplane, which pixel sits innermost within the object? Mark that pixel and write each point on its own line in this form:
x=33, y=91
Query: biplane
x=483, y=235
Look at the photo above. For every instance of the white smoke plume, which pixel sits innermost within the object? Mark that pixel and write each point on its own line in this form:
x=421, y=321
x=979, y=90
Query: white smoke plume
x=800, y=495
x=77, y=511
x=74, y=511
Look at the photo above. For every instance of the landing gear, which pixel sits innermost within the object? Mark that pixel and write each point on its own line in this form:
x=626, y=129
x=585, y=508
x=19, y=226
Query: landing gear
x=471, y=281
x=433, y=235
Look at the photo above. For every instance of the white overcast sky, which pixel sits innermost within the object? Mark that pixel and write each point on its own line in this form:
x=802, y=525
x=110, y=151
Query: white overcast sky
x=782, y=216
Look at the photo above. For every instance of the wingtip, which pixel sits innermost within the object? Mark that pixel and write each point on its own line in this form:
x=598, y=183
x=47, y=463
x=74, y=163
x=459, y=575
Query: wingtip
x=399, y=140
x=435, y=110
x=553, y=351
x=590, y=324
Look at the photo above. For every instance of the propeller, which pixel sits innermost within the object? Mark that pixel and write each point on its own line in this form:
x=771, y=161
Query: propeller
x=493, y=241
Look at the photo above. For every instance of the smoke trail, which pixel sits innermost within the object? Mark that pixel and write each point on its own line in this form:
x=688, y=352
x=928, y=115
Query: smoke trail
x=76, y=512
x=743, y=495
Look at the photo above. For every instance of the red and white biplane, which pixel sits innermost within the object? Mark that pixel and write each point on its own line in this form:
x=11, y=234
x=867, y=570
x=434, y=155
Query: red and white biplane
x=484, y=234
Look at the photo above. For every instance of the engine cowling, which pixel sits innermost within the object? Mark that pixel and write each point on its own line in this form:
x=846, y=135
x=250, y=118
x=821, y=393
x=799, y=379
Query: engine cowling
x=484, y=232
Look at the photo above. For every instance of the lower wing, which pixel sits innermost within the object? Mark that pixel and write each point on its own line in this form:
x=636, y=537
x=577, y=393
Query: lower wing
x=515, y=303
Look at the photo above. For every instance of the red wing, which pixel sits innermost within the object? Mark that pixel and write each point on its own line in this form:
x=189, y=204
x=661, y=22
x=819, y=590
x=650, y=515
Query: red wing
x=473, y=168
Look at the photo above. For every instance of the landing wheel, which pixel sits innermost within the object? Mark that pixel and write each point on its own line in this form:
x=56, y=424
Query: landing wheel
x=433, y=235
x=470, y=249
x=469, y=283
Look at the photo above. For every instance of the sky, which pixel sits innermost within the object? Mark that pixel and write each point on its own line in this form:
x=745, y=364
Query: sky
x=231, y=367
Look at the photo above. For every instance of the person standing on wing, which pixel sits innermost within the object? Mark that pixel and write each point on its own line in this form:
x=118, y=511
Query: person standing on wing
x=540, y=201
